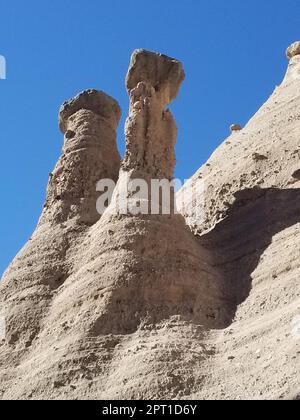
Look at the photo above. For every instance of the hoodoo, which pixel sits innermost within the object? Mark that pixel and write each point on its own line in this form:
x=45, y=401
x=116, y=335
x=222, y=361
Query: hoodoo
x=127, y=305
x=153, y=82
x=89, y=123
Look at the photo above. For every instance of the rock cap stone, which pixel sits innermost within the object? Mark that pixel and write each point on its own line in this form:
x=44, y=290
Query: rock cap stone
x=293, y=50
x=235, y=127
x=164, y=74
x=93, y=100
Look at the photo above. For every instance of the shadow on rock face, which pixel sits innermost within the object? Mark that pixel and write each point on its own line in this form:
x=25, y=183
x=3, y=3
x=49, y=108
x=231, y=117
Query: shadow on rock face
x=238, y=242
x=162, y=272
x=201, y=281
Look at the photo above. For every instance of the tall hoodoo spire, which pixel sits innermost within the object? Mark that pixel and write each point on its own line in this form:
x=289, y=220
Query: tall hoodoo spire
x=153, y=82
x=136, y=306
x=89, y=123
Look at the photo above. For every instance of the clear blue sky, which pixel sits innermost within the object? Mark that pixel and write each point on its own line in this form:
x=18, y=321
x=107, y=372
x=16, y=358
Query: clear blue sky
x=233, y=53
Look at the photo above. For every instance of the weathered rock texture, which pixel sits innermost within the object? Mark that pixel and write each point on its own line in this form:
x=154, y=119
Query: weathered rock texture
x=127, y=306
x=235, y=127
x=251, y=225
x=153, y=81
x=166, y=271
x=293, y=50
x=30, y=284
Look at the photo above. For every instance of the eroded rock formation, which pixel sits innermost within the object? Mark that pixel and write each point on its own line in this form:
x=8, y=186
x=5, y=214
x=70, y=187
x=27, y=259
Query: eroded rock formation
x=235, y=127
x=293, y=50
x=89, y=123
x=29, y=285
x=251, y=224
x=160, y=245
x=153, y=82
x=142, y=306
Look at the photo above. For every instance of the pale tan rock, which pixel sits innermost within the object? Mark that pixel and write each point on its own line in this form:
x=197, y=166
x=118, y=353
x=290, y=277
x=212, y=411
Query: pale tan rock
x=89, y=123
x=125, y=275
x=235, y=127
x=43, y=265
x=251, y=225
x=150, y=309
x=97, y=102
x=163, y=73
x=293, y=50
